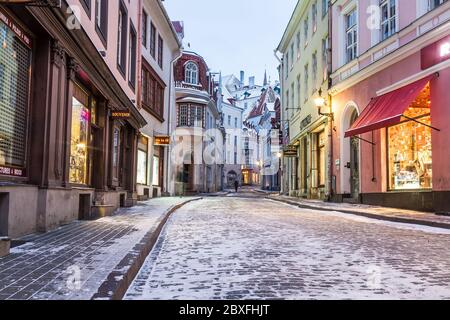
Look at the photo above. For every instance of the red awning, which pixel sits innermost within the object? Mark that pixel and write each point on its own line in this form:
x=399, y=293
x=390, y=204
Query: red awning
x=387, y=110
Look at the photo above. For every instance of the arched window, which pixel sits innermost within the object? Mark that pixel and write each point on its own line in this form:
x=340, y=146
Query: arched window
x=191, y=73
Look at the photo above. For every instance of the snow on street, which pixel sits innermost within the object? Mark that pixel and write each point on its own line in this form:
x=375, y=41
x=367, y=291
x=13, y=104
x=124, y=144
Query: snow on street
x=239, y=248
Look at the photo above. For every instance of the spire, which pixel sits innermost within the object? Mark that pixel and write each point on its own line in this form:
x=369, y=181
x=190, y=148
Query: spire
x=265, y=78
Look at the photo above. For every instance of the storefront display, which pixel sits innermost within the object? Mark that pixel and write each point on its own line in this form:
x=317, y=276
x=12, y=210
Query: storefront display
x=142, y=167
x=410, y=152
x=79, y=137
x=15, y=63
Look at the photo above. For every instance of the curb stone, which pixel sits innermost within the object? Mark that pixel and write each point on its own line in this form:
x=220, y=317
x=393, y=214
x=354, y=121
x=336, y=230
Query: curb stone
x=367, y=215
x=118, y=281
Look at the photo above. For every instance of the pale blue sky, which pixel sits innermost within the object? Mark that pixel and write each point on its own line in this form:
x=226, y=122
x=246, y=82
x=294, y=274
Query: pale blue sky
x=234, y=35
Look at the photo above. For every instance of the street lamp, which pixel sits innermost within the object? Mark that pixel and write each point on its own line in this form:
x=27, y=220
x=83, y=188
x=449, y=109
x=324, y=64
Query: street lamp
x=320, y=103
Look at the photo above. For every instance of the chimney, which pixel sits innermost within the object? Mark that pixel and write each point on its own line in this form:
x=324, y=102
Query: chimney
x=242, y=78
x=251, y=82
x=179, y=29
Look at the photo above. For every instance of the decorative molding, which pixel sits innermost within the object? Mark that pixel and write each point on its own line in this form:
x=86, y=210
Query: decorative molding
x=58, y=54
x=72, y=68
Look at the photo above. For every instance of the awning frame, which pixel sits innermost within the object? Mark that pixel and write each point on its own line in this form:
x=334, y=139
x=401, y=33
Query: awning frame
x=419, y=122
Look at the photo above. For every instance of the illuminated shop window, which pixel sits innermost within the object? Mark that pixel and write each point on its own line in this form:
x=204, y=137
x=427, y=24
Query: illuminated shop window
x=321, y=158
x=142, y=167
x=410, y=153
x=79, y=137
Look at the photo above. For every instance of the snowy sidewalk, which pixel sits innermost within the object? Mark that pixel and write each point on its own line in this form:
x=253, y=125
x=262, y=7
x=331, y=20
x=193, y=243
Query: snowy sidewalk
x=375, y=212
x=74, y=261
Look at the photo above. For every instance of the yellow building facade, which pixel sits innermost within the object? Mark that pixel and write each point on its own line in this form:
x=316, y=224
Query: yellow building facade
x=304, y=79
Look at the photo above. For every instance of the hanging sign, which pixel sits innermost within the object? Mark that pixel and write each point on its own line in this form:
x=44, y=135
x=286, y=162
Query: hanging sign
x=120, y=114
x=162, y=140
x=290, y=152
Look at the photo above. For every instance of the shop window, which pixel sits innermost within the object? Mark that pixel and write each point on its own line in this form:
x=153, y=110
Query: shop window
x=15, y=59
x=142, y=167
x=321, y=141
x=410, y=153
x=155, y=181
x=79, y=137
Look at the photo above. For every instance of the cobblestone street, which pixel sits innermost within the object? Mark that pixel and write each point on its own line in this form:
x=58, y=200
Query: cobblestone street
x=73, y=261
x=244, y=248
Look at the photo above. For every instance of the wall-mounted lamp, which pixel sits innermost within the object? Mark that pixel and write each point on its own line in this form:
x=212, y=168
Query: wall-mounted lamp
x=320, y=102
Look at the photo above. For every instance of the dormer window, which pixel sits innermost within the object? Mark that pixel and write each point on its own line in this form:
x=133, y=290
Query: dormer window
x=191, y=73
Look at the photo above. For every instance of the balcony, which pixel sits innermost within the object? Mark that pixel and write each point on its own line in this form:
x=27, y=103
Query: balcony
x=185, y=85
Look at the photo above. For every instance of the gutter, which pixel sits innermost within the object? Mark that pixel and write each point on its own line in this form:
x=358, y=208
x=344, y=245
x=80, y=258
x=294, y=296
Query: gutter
x=330, y=103
x=169, y=115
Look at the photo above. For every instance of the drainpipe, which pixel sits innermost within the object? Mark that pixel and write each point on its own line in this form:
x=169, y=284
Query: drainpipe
x=330, y=103
x=169, y=122
x=139, y=56
x=281, y=161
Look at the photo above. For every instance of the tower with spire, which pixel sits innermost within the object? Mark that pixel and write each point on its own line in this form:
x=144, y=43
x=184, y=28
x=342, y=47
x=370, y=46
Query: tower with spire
x=265, y=78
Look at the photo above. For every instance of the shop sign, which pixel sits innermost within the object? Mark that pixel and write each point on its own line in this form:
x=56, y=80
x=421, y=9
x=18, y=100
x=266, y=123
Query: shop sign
x=306, y=122
x=15, y=172
x=19, y=32
x=162, y=140
x=435, y=53
x=121, y=114
x=290, y=152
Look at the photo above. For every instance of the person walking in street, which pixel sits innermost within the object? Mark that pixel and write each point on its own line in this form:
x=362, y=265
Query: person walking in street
x=236, y=186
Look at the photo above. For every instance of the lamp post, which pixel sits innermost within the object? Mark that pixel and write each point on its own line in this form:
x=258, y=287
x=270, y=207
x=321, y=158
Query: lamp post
x=321, y=102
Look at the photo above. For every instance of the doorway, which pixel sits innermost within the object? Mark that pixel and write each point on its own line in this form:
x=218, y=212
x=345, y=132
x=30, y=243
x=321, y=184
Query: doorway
x=4, y=213
x=84, y=211
x=354, y=161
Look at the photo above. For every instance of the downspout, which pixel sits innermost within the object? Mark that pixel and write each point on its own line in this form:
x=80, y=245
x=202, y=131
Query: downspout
x=139, y=59
x=281, y=161
x=330, y=103
x=169, y=122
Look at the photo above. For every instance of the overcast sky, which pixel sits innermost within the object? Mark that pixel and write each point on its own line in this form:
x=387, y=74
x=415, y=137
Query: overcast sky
x=234, y=35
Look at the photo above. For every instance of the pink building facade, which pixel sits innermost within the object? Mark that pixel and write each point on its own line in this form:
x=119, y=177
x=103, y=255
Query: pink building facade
x=378, y=60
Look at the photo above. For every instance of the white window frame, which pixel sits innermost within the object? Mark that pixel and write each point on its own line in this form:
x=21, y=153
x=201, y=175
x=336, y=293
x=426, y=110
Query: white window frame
x=353, y=29
x=390, y=18
x=191, y=73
